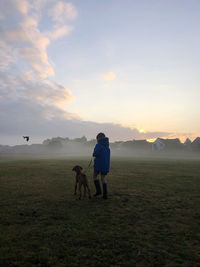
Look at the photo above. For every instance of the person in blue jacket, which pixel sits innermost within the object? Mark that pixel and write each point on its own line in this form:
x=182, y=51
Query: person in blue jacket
x=101, y=163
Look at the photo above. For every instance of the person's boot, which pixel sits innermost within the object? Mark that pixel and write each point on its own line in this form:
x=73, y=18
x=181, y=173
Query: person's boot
x=98, y=188
x=105, y=195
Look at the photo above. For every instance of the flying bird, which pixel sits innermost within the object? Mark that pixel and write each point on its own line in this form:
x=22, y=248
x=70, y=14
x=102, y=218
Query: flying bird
x=26, y=137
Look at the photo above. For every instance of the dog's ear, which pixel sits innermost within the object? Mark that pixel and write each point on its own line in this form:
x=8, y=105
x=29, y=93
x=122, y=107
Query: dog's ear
x=74, y=169
x=77, y=168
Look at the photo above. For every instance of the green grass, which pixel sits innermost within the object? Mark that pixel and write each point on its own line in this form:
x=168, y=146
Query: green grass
x=152, y=216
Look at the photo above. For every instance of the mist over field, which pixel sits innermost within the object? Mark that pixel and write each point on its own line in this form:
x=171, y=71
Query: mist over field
x=81, y=147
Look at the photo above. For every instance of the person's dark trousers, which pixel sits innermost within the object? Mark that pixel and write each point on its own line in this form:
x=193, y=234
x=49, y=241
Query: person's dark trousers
x=98, y=187
x=105, y=194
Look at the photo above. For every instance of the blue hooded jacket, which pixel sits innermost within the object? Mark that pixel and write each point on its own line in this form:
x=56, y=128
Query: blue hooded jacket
x=102, y=156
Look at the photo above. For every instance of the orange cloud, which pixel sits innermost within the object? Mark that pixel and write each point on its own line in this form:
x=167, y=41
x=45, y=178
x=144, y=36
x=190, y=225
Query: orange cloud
x=109, y=76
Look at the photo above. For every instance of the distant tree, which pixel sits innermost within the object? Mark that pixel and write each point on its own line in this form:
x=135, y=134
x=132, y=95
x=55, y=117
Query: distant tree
x=55, y=144
x=46, y=142
x=83, y=139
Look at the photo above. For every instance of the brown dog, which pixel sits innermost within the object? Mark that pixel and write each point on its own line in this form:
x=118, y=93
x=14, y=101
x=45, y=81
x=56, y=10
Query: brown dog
x=81, y=179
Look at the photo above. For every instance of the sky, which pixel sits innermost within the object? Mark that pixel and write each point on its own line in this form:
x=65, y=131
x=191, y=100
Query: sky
x=129, y=68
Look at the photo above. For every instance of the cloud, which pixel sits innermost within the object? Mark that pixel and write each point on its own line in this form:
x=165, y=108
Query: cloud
x=8, y=7
x=22, y=6
x=24, y=116
x=37, y=60
x=59, y=32
x=30, y=46
x=42, y=92
x=109, y=76
x=29, y=101
x=62, y=11
x=24, y=36
x=24, y=63
x=7, y=55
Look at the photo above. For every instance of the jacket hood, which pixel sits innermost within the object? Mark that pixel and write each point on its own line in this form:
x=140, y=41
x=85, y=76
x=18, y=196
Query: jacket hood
x=104, y=142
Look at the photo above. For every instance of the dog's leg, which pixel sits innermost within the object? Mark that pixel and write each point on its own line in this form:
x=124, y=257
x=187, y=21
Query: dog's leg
x=88, y=189
x=76, y=183
x=84, y=190
x=75, y=189
x=80, y=185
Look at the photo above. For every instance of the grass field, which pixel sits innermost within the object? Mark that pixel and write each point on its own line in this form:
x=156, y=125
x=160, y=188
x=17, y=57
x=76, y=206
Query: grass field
x=152, y=216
